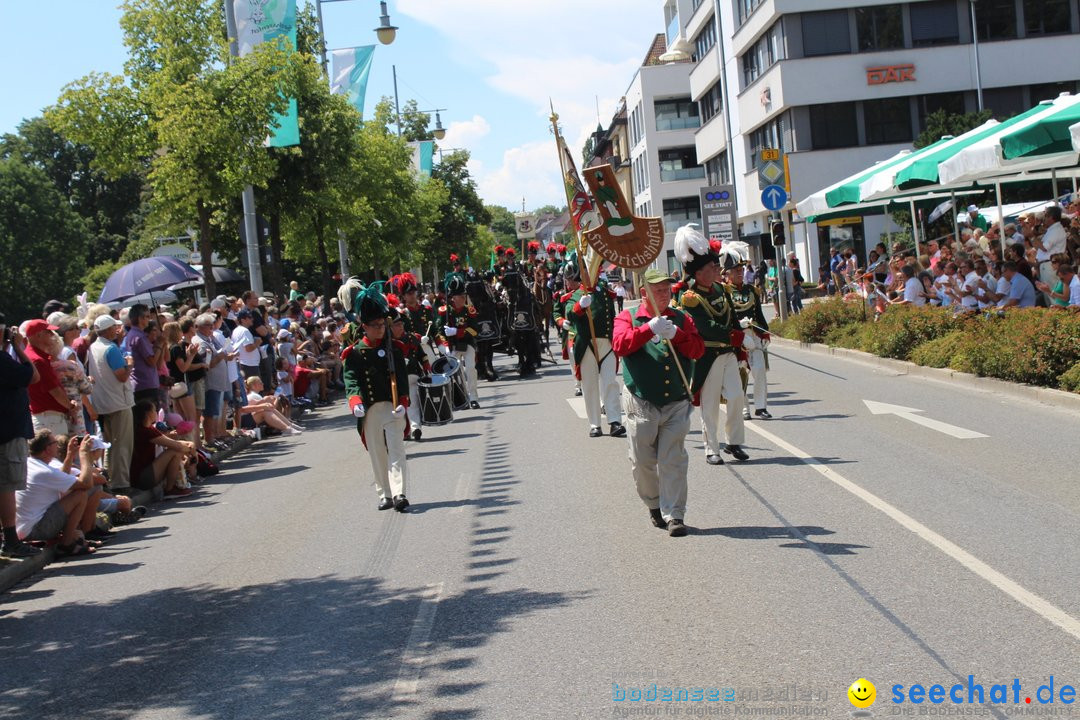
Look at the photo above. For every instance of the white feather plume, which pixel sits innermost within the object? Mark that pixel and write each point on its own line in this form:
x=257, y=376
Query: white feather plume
x=689, y=242
x=739, y=248
x=348, y=291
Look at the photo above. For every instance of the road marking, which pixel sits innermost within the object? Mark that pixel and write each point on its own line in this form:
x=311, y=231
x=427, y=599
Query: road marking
x=1033, y=602
x=461, y=490
x=578, y=403
x=878, y=408
x=417, y=646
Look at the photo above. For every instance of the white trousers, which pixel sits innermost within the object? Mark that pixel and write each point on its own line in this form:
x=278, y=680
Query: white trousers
x=603, y=384
x=414, y=401
x=723, y=382
x=658, y=452
x=386, y=447
x=755, y=350
x=468, y=362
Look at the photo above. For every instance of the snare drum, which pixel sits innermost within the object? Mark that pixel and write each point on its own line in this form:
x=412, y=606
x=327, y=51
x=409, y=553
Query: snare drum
x=450, y=367
x=435, y=405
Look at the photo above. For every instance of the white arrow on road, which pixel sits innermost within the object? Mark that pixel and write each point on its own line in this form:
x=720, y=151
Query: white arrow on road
x=878, y=408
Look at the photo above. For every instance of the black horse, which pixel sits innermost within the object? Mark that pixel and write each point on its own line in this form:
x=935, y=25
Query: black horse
x=522, y=314
x=490, y=331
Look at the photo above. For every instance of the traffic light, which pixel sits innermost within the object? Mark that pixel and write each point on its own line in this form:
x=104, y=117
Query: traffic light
x=778, y=238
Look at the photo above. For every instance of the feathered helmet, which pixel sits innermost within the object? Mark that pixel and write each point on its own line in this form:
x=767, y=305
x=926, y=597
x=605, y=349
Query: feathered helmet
x=733, y=253
x=500, y=250
x=571, y=270
x=393, y=301
x=561, y=249
x=510, y=252
x=534, y=247
x=552, y=248
x=349, y=295
x=454, y=259
x=370, y=304
x=404, y=283
x=455, y=285
x=692, y=249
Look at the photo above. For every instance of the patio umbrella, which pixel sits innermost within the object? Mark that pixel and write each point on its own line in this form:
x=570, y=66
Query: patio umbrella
x=1047, y=136
x=221, y=275
x=146, y=276
x=824, y=200
x=1075, y=132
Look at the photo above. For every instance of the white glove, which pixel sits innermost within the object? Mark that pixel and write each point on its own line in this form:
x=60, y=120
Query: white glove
x=425, y=340
x=744, y=323
x=669, y=332
x=446, y=350
x=358, y=411
x=585, y=301
x=659, y=325
x=399, y=411
x=450, y=331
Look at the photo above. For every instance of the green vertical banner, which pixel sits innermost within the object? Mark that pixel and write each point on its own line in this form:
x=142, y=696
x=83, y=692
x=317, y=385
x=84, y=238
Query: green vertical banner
x=423, y=156
x=349, y=71
x=259, y=21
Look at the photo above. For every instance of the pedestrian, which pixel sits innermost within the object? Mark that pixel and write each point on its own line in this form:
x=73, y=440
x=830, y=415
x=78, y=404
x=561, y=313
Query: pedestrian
x=147, y=356
x=50, y=407
x=654, y=343
x=716, y=374
x=375, y=371
x=456, y=327
x=17, y=373
x=113, y=399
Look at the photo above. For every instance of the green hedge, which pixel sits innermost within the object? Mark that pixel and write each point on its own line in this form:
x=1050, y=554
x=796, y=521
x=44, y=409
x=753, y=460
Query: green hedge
x=1036, y=346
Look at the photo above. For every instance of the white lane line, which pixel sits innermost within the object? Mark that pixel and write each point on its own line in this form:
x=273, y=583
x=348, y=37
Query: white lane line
x=1025, y=597
x=578, y=404
x=417, y=646
x=461, y=490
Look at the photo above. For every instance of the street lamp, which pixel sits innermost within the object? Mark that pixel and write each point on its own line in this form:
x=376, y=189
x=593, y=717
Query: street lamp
x=385, y=32
x=978, y=73
x=439, y=132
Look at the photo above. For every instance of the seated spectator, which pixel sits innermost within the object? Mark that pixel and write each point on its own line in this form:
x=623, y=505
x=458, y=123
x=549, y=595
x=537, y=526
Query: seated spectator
x=1071, y=281
x=310, y=381
x=118, y=507
x=1021, y=291
x=913, y=288
x=57, y=505
x=1058, y=294
x=262, y=409
x=929, y=292
x=149, y=468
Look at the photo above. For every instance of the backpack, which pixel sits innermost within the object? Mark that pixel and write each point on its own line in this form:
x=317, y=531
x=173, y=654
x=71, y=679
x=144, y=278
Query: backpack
x=205, y=466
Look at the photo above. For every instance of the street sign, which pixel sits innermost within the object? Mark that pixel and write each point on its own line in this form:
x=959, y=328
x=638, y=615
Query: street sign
x=773, y=197
x=770, y=154
x=770, y=167
x=718, y=212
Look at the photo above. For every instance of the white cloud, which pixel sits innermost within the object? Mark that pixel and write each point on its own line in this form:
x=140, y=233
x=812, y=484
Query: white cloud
x=465, y=133
x=530, y=171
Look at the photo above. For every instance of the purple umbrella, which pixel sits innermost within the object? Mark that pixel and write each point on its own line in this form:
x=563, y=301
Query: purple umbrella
x=146, y=276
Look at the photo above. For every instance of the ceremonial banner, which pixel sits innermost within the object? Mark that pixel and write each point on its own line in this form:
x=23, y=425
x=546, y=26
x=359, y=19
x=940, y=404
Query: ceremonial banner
x=621, y=238
x=349, y=70
x=525, y=223
x=258, y=21
x=423, y=157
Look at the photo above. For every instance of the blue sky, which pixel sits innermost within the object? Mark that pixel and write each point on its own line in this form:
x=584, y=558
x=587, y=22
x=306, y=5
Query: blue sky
x=492, y=63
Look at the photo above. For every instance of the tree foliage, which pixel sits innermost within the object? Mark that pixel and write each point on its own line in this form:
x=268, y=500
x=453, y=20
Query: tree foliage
x=462, y=211
x=941, y=123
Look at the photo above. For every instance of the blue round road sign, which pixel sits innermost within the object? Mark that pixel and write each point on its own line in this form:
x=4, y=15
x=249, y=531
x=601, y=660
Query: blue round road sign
x=773, y=197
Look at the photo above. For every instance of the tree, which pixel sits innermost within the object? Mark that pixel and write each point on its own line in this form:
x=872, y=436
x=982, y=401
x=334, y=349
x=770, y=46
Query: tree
x=941, y=123
x=184, y=108
x=414, y=124
x=462, y=211
x=42, y=241
x=502, y=225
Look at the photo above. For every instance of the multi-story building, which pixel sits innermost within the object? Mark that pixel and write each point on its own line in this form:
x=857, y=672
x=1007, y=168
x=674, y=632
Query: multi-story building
x=611, y=147
x=840, y=84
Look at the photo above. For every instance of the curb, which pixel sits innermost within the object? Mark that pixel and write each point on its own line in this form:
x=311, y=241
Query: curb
x=13, y=572
x=1032, y=393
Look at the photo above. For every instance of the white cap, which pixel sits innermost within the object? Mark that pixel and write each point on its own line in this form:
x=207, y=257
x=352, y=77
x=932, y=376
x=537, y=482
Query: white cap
x=282, y=334
x=55, y=318
x=97, y=442
x=973, y=208
x=104, y=322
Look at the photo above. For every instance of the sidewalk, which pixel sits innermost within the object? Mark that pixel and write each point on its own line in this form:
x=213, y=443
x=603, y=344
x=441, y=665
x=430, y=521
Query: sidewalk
x=13, y=572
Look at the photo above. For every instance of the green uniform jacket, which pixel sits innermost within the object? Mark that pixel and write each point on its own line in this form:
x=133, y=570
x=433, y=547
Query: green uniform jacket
x=465, y=320
x=418, y=319
x=367, y=374
x=714, y=316
x=560, y=312
x=747, y=304
x=603, y=313
x=649, y=370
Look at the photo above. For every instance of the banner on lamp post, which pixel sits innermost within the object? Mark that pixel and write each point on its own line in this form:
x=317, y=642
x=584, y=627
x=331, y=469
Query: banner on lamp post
x=349, y=71
x=423, y=157
x=259, y=21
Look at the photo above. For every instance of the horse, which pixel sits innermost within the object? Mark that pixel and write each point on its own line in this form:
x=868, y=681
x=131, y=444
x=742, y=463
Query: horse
x=489, y=329
x=521, y=321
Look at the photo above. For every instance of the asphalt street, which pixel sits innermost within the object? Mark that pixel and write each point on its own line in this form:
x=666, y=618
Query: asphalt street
x=528, y=583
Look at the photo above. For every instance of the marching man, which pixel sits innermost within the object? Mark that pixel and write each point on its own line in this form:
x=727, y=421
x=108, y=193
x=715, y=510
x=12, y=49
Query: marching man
x=653, y=343
x=416, y=362
x=716, y=374
x=755, y=340
x=595, y=362
x=456, y=327
x=374, y=370
x=571, y=276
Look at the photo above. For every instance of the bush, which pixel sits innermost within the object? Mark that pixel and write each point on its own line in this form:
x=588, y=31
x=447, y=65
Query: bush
x=1070, y=379
x=818, y=319
x=903, y=328
x=940, y=352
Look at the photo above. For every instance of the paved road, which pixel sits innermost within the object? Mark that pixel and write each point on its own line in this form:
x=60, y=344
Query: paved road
x=527, y=583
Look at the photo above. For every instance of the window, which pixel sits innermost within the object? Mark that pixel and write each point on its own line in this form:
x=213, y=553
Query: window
x=833, y=126
x=745, y=8
x=934, y=23
x=711, y=102
x=680, y=164
x=635, y=126
x=996, y=19
x=678, y=114
x=1005, y=102
x=679, y=211
x=1050, y=91
x=887, y=120
x=1046, y=17
x=705, y=40
x=717, y=171
x=825, y=33
x=879, y=28
x=760, y=57
x=952, y=103
x=766, y=136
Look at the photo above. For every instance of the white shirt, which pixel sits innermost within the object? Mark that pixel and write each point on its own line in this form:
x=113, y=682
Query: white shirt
x=913, y=291
x=984, y=301
x=230, y=367
x=1003, y=289
x=1054, y=242
x=1074, y=291
x=44, y=486
x=242, y=338
x=971, y=285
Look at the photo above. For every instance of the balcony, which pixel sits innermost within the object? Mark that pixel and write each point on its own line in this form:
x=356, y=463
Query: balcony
x=676, y=174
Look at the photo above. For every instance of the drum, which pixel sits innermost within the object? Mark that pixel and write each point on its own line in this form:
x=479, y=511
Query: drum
x=434, y=394
x=459, y=390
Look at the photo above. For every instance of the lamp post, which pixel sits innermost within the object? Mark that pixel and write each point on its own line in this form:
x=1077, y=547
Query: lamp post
x=386, y=34
x=439, y=132
x=978, y=73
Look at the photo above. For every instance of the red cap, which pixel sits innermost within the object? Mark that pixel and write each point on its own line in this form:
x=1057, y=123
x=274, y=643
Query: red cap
x=38, y=326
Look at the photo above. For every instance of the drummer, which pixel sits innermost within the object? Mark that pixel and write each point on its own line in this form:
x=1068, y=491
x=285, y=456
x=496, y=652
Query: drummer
x=416, y=363
x=456, y=327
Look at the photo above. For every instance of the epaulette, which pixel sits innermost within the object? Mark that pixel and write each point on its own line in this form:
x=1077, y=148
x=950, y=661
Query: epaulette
x=472, y=311
x=678, y=287
x=566, y=297
x=689, y=299
x=442, y=309
x=347, y=351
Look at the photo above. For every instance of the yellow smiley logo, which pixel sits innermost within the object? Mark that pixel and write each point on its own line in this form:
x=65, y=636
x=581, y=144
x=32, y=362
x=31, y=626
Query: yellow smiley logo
x=862, y=693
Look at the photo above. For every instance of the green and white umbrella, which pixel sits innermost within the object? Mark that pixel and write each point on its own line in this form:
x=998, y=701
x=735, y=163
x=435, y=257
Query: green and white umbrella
x=846, y=191
x=1047, y=136
x=986, y=159
x=881, y=185
x=1075, y=132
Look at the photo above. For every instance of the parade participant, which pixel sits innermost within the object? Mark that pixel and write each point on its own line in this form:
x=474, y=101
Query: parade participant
x=532, y=249
x=571, y=281
x=375, y=369
x=552, y=263
x=481, y=296
x=747, y=301
x=416, y=362
x=716, y=374
x=418, y=318
x=594, y=362
x=455, y=326
x=654, y=342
